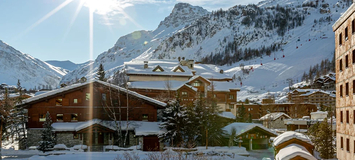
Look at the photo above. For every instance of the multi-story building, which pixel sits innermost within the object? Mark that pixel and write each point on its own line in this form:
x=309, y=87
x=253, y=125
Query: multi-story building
x=166, y=79
x=314, y=96
x=344, y=30
x=83, y=114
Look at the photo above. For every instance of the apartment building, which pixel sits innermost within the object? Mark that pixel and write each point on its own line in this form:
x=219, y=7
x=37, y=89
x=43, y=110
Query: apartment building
x=344, y=30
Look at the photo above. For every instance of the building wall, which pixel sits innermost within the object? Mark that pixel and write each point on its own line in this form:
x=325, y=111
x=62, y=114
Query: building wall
x=134, y=78
x=137, y=107
x=346, y=102
x=67, y=138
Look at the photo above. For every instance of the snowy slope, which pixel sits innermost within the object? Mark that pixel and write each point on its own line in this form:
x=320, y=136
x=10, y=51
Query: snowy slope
x=140, y=44
x=68, y=65
x=194, y=33
x=32, y=72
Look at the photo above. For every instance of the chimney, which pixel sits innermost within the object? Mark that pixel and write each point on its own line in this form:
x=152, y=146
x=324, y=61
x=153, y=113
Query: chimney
x=221, y=71
x=183, y=58
x=179, y=58
x=145, y=64
x=193, y=72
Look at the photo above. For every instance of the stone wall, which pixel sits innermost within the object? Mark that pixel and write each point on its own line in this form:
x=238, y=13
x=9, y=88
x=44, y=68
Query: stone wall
x=33, y=137
x=67, y=139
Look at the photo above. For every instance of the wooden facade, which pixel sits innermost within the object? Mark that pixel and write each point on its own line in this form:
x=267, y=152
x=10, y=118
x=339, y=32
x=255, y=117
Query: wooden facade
x=88, y=102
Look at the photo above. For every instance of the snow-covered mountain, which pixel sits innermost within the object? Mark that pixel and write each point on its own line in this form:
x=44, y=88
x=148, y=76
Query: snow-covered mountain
x=279, y=39
x=32, y=72
x=67, y=65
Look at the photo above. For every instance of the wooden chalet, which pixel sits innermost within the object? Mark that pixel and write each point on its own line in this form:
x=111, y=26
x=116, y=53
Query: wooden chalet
x=252, y=135
x=82, y=114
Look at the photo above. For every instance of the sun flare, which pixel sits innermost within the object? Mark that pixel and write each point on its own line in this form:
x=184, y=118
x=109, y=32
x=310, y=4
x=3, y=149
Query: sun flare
x=102, y=7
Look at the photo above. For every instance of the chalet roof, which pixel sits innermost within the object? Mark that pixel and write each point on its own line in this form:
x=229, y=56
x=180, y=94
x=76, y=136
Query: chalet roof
x=137, y=67
x=196, y=77
x=245, y=127
x=293, y=150
x=315, y=91
x=160, y=85
x=274, y=116
x=291, y=135
x=141, y=128
x=206, y=70
x=229, y=115
x=225, y=86
x=74, y=86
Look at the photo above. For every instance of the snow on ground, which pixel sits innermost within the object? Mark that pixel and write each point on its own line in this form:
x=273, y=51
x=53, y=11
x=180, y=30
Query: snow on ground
x=220, y=153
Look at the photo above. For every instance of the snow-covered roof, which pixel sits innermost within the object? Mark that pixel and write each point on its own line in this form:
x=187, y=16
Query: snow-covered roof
x=245, y=127
x=346, y=14
x=60, y=90
x=225, y=86
x=293, y=150
x=137, y=67
x=141, y=128
x=229, y=115
x=274, y=116
x=158, y=85
x=291, y=135
x=206, y=70
x=197, y=76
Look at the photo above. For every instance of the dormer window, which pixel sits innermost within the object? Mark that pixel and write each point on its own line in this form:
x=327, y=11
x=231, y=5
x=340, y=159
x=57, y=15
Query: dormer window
x=158, y=69
x=178, y=69
x=196, y=84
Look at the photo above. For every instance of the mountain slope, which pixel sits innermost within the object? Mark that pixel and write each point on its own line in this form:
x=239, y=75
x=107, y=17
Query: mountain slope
x=32, y=72
x=68, y=65
x=285, y=36
x=140, y=43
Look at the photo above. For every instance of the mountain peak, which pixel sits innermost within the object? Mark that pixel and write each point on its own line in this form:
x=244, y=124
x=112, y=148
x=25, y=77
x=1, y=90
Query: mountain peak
x=182, y=14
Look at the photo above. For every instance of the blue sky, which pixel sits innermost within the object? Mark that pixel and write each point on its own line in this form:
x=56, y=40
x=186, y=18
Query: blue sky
x=25, y=26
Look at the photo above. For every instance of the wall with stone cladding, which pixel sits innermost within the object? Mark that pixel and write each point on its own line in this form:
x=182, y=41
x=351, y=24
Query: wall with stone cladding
x=67, y=139
x=33, y=137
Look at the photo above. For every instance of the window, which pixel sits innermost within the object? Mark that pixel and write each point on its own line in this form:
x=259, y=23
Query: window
x=42, y=117
x=341, y=143
x=347, y=89
x=353, y=56
x=340, y=65
x=75, y=101
x=340, y=38
x=103, y=96
x=341, y=116
x=347, y=145
x=75, y=136
x=354, y=117
x=87, y=96
x=58, y=102
x=196, y=84
x=74, y=117
x=231, y=106
x=145, y=117
x=353, y=86
x=184, y=94
x=346, y=34
x=214, y=95
x=231, y=96
x=347, y=116
x=346, y=61
x=59, y=117
x=341, y=91
x=353, y=26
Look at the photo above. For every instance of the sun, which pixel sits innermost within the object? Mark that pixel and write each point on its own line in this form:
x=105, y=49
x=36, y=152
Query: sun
x=102, y=7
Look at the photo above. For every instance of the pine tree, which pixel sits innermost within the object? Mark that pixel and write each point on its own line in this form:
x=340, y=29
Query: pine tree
x=101, y=73
x=174, y=121
x=47, y=137
x=322, y=137
x=241, y=113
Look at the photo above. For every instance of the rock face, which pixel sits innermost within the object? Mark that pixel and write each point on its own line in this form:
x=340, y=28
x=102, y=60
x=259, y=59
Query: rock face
x=30, y=71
